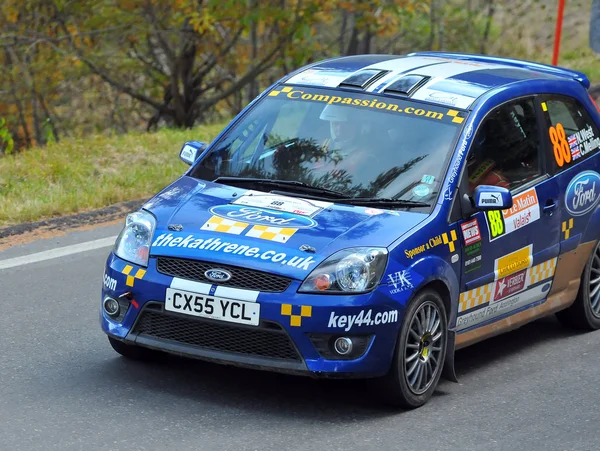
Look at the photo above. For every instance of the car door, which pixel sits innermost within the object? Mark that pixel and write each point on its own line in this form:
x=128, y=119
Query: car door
x=574, y=142
x=509, y=256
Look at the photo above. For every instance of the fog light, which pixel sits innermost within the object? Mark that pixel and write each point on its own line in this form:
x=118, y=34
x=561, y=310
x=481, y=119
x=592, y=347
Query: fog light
x=111, y=306
x=343, y=345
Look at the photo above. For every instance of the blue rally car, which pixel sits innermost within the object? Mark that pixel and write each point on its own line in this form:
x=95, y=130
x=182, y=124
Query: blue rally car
x=366, y=217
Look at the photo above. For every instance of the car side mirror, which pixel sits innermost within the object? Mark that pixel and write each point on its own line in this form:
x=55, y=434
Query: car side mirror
x=487, y=197
x=191, y=150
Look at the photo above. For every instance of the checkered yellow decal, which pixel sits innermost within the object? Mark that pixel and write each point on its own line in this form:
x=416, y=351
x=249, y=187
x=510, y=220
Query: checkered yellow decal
x=276, y=93
x=450, y=243
x=475, y=297
x=542, y=271
x=131, y=279
x=218, y=224
x=456, y=119
x=566, y=228
x=296, y=320
x=282, y=235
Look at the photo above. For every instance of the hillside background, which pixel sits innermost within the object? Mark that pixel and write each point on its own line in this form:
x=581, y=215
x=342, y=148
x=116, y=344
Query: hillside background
x=72, y=69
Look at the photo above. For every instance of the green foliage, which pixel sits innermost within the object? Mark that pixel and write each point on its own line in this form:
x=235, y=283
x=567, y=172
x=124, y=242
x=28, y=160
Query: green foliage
x=7, y=143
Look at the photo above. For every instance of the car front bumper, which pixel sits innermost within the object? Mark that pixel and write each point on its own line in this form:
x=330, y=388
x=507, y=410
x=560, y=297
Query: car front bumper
x=296, y=332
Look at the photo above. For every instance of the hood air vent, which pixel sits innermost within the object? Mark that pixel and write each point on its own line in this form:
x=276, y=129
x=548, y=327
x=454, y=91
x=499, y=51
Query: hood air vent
x=406, y=85
x=363, y=78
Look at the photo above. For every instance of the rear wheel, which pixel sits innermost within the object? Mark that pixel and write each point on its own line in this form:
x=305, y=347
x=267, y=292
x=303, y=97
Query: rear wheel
x=134, y=352
x=419, y=356
x=584, y=313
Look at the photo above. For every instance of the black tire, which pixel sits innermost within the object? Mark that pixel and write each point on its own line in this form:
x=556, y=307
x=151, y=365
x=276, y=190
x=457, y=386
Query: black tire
x=584, y=313
x=134, y=352
x=396, y=388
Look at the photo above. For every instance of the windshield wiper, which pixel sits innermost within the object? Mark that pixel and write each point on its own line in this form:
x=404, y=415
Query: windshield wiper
x=298, y=186
x=384, y=202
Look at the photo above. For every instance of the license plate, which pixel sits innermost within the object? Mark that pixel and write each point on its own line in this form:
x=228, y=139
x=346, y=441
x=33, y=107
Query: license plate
x=205, y=306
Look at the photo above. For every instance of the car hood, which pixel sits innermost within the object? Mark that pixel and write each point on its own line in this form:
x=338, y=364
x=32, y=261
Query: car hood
x=280, y=234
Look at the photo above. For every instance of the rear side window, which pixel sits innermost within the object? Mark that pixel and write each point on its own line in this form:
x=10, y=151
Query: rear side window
x=572, y=134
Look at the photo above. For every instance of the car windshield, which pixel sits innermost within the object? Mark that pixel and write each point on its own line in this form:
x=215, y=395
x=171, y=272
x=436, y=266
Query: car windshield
x=356, y=144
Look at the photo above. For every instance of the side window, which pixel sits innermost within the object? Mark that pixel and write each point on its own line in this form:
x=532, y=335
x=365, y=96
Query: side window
x=572, y=134
x=507, y=149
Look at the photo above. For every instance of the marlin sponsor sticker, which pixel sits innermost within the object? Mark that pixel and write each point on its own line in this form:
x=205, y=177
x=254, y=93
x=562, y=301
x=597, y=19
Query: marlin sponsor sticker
x=582, y=196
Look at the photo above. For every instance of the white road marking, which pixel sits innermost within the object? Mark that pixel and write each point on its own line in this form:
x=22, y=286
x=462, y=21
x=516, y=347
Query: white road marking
x=56, y=253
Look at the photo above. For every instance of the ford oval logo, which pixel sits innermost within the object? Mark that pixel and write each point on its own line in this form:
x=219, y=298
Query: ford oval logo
x=258, y=216
x=582, y=193
x=217, y=275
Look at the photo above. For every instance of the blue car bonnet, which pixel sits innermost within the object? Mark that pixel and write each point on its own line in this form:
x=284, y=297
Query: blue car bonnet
x=230, y=225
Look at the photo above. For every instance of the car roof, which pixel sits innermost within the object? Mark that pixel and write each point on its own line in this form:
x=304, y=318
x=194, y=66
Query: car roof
x=451, y=79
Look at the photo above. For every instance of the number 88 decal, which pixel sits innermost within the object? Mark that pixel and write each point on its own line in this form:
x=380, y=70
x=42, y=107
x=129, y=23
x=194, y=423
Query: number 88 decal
x=496, y=222
x=562, y=151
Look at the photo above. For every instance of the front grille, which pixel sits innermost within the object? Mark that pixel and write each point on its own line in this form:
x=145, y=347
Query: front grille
x=248, y=279
x=269, y=341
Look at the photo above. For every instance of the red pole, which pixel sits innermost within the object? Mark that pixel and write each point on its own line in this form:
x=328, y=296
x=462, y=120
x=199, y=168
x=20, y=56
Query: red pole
x=559, y=20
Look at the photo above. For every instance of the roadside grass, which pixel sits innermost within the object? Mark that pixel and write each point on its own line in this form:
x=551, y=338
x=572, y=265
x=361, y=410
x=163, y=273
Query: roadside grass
x=78, y=175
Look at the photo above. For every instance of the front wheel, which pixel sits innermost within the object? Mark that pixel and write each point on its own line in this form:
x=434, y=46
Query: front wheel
x=419, y=355
x=584, y=313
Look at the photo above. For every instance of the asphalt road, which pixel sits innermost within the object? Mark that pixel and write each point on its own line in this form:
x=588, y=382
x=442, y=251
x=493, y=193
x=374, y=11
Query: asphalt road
x=63, y=388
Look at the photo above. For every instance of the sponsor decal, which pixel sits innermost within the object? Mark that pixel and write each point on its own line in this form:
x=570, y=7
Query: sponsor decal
x=260, y=216
x=363, y=318
x=222, y=225
x=429, y=179
x=505, y=294
x=189, y=152
x=566, y=228
x=525, y=210
x=109, y=282
x=490, y=199
x=400, y=280
x=294, y=205
x=583, y=142
x=440, y=114
x=301, y=311
x=500, y=308
x=470, y=231
x=509, y=285
x=581, y=196
x=421, y=190
x=473, y=263
x=131, y=278
x=459, y=158
x=513, y=262
x=191, y=241
x=434, y=242
x=373, y=211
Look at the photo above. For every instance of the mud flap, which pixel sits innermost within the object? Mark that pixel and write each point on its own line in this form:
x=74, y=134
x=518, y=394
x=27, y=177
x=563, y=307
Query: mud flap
x=448, y=370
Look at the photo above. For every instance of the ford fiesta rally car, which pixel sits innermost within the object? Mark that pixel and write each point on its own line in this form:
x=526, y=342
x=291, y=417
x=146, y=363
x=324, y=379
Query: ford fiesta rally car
x=365, y=217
